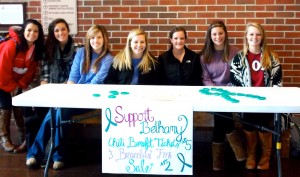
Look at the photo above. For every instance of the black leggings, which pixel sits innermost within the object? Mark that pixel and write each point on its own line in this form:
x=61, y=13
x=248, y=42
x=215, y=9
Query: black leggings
x=33, y=120
x=261, y=119
x=5, y=100
x=222, y=126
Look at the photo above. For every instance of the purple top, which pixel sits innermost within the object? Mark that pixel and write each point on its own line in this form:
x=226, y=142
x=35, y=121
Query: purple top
x=217, y=72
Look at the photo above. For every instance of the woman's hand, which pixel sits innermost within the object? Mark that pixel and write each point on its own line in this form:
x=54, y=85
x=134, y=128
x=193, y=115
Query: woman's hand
x=15, y=92
x=70, y=82
x=44, y=82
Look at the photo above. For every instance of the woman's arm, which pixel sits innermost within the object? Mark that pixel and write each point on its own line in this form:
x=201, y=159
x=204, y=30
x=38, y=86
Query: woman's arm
x=112, y=76
x=103, y=70
x=74, y=75
x=205, y=74
x=276, y=74
x=236, y=71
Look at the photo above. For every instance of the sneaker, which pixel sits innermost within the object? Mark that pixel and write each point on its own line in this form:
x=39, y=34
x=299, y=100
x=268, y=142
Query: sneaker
x=58, y=165
x=31, y=162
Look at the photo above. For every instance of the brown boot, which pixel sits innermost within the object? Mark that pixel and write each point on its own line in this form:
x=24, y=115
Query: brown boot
x=218, y=156
x=265, y=140
x=21, y=148
x=237, y=146
x=5, y=116
x=251, y=142
x=6, y=144
x=19, y=119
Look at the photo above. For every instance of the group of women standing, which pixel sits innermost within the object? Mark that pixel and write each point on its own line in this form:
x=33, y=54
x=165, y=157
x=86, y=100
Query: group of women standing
x=217, y=64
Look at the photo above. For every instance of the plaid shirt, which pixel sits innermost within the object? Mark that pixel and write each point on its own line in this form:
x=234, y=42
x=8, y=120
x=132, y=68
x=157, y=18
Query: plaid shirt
x=58, y=71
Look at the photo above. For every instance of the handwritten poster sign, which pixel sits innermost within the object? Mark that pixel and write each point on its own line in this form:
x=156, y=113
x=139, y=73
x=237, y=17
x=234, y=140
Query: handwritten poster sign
x=52, y=9
x=147, y=138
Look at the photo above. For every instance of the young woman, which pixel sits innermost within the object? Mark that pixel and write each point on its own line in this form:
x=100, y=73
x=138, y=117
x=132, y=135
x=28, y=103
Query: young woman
x=256, y=66
x=90, y=66
x=60, y=52
x=134, y=64
x=18, y=67
x=55, y=68
x=215, y=58
x=179, y=65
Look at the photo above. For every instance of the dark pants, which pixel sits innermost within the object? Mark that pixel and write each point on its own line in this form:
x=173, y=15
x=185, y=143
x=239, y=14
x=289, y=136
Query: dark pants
x=261, y=119
x=5, y=100
x=222, y=126
x=33, y=120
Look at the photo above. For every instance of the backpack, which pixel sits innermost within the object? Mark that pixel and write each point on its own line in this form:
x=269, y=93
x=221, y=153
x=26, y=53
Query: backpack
x=5, y=37
x=295, y=135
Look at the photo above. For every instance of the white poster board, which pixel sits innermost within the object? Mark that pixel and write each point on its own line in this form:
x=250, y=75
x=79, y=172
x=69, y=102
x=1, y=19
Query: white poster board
x=12, y=13
x=52, y=9
x=153, y=138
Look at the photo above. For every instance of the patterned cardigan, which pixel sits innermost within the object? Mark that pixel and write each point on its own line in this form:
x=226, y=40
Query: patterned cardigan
x=241, y=75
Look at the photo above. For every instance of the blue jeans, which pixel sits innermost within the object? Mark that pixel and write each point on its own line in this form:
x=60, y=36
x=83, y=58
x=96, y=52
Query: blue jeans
x=37, y=150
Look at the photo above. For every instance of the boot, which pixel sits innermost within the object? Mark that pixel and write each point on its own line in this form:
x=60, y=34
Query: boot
x=218, y=156
x=237, y=146
x=21, y=148
x=251, y=142
x=19, y=119
x=265, y=140
x=5, y=116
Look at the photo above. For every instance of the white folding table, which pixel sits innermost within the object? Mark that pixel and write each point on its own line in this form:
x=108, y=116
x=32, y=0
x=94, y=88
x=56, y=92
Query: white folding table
x=204, y=99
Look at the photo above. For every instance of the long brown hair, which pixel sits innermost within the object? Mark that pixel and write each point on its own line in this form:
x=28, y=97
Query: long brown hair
x=92, y=32
x=207, y=51
x=51, y=41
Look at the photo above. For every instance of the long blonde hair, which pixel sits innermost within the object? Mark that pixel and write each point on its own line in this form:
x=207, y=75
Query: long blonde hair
x=267, y=53
x=123, y=59
x=92, y=32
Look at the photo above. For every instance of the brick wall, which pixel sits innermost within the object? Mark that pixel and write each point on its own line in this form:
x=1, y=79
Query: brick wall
x=281, y=19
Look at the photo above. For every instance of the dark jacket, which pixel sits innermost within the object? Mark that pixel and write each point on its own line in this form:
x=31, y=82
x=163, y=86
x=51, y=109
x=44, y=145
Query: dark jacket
x=124, y=76
x=175, y=73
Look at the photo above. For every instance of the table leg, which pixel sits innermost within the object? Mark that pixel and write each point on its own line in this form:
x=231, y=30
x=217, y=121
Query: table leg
x=52, y=125
x=277, y=119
